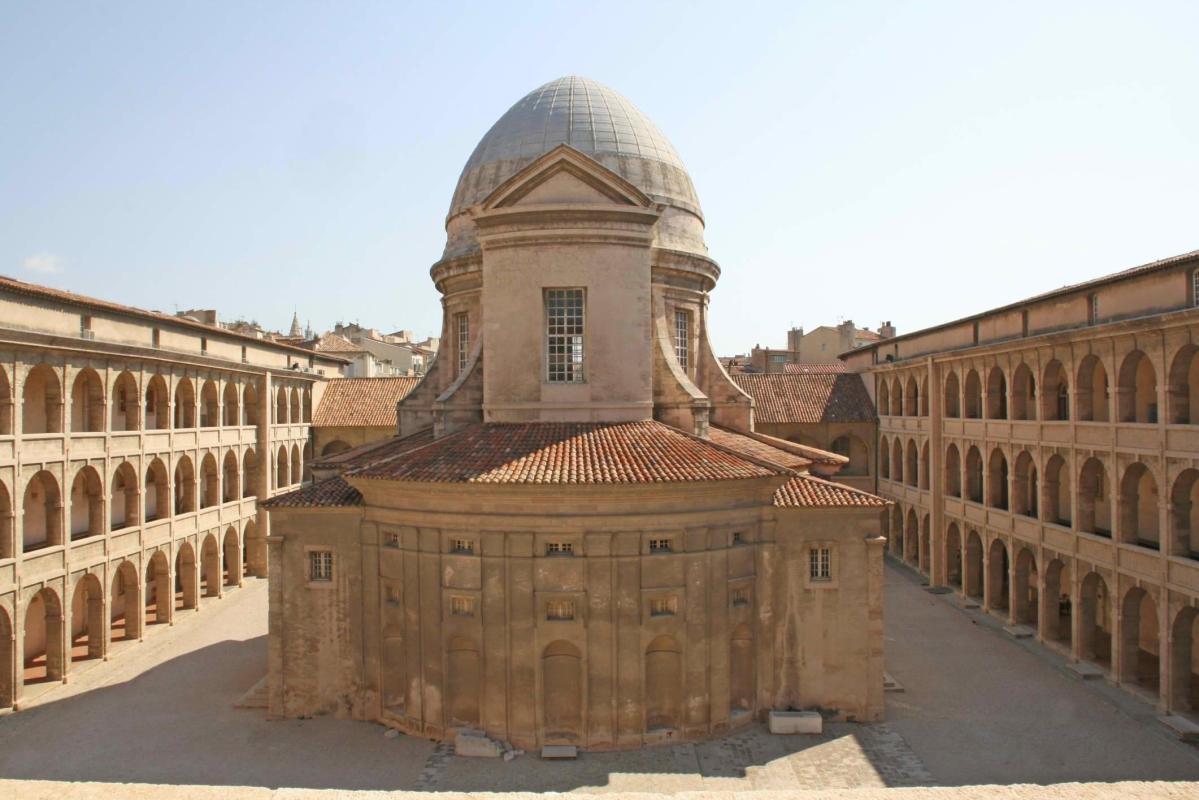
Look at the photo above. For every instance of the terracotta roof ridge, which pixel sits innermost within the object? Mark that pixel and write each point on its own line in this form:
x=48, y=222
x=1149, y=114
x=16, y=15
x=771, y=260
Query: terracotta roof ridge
x=846, y=488
x=802, y=450
x=761, y=462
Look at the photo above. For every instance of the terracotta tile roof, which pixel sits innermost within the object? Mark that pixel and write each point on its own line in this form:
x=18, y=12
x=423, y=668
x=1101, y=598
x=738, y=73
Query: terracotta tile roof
x=371, y=452
x=792, y=455
x=815, y=369
x=551, y=453
x=329, y=493
x=362, y=402
x=828, y=397
x=808, y=492
x=336, y=343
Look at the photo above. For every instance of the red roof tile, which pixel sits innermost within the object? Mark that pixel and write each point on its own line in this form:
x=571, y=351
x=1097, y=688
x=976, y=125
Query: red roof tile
x=570, y=453
x=329, y=493
x=808, y=492
x=828, y=397
x=336, y=343
x=362, y=402
x=371, y=452
x=779, y=451
x=815, y=369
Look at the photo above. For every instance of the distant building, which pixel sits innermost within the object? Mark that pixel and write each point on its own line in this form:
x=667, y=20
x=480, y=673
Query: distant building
x=821, y=345
x=376, y=355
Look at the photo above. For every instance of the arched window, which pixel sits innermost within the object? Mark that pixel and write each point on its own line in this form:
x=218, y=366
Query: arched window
x=1057, y=502
x=249, y=405
x=1138, y=389
x=185, y=486
x=663, y=684
x=953, y=471
x=231, y=413
x=185, y=404
x=281, y=406
x=897, y=461
x=562, y=692
x=896, y=398
x=1055, y=394
x=974, y=396
x=87, y=504
x=974, y=475
x=125, y=498
x=1024, y=393
x=924, y=467
x=282, y=474
x=953, y=396
x=1094, y=499
x=41, y=402
x=1138, y=507
x=158, y=412
x=911, y=468
x=1027, y=493
x=41, y=512
x=1184, y=386
x=230, y=489
x=125, y=405
x=1184, y=507
x=210, y=482
x=911, y=397
x=210, y=415
x=884, y=458
x=87, y=402
x=6, y=406
x=1091, y=395
x=884, y=397
x=997, y=485
x=996, y=394
x=249, y=478
x=157, y=494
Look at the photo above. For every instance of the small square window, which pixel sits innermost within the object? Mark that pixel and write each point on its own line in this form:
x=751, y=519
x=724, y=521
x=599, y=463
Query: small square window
x=391, y=540
x=462, y=546
x=663, y=606
x=659, y=546
x=738, y=538
x=393, y=596
x=320, y=565
x=462, y=606
x=739, y=597
x=203, y=344
x=559, y=548
x=820, y=564
x=156, y=337
x=560, y=610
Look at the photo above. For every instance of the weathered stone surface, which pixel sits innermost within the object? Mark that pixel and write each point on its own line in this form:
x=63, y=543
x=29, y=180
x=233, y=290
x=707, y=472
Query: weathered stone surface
x=796, y=722
x=476, y=745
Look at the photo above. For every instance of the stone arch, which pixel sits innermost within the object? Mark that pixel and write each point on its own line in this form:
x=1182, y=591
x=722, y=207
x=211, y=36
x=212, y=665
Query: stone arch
x=210, y=482
x=911, y=464
x=924, y=555
x=249, y=396
x=1094, y=621
x=974, y=395
x=1025, y=589
x=911, y=397
x=6, y=420
x=87, y=402
x=1184, y=667
x=87, y=619
x=249, y=469
x=462, y=683
x=953, y=395
x=1027, y=492
x=158, y=411
x=282, y=474
x=295, y=414
x=953, y=555
x=897, y=460
x=297, y=467
x=281, y=406
x=45, y=650
x=1184, y=514
x=334, y=447
x=856, y=451
x=1094, y=499
x=8, y=543
x=307, y=402
x=306, y=456
x=1057, y=616
x=187, y=578
x=125, y=404
x=741, y=670
x=972, y=571
x=562, y=692
x=41, y=402
x=911, y=538
x=953, y=471
x=158, y=491
x=884, y=458
x=1183, y=392
x=124, y=605
x=210, y=567
x=1139, y=522
x=231, y=411
x=896, y=543
x=1056, y=492
x=254, y=547
x=924, y=482
x=997, y=479
x=1140, y=649
x=997, y=576
x=41, y=512
x=8, y=656
x=896, y=397
x=87, y=503
x=185, y=486
x=1055, y=392
x=924, y=396
x=1024, y=393
x=996, y=394
x=1137, y=389
x=232, y=548
x=884, y=397
x=160, y=590
x=1091, y=397
x=230, y=490
x=974, y=475
x=210, y=405
x=185, y=404
x=663, y=685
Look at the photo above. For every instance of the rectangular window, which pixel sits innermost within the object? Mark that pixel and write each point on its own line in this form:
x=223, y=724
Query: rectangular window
x=738, y=538
x=659, y=545
x=1093, y=308
x=663, y=606
x=462, y=325
x=560, y=609
x=393, y=596
x=203, y=344
x=245, y=360
x=1195, y=288
x=391, y=540
x=156, y=337
x=739, y=597
x=462, y=606
x=564, y=335
x=462, y=546
x=820, y=563
x=320, y=565
x=682, y=337
x=559, y=548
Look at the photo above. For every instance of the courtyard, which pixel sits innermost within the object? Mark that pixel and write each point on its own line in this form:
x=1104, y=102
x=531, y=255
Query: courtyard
x=976, y=708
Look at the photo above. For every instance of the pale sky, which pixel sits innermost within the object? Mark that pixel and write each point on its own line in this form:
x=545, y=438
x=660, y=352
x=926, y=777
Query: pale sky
x=915, y=162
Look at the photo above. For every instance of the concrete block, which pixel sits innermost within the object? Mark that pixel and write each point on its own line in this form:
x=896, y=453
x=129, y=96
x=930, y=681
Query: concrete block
x=476, y=745
x=1182, y=727
x=1086, y=670
x=788, y=722
x=559, y=751
x=1018, y=631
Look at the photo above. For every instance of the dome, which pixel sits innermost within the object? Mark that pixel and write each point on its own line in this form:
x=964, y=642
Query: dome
x=589, y=117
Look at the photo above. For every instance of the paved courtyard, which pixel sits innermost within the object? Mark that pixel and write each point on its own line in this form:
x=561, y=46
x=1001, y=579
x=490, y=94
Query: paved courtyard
x=978, y=708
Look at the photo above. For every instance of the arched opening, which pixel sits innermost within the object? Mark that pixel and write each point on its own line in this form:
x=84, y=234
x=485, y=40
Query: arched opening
x=1059, y=611
x=185, y=404
x=8, y=689
x=158, y=504
x=1055, y=394
x=230, y=491
x=1094, y=621
x=924, y=396
x=8, y=544
x=996, y=394
x=974, y=475
x=896, y=398
x=87, y=504
x=1184, y=667
x=87, y=402
x=1056, y=495
x=41, y=402
x=911, y=539
x=953, y=555
x=911, y=397
x=953, y=471
x=1184, y=514
x=124, y=604
x=306, y=473
x=232, y=557
x=45, y=654
x=884, y=397
x=160, y=594
x=463, y=682
x=974, y=395
x=249, y=405
x=87, y=619
x=6, y=407
x=897, y=461
x=187, y=578
x=1094, y=505
x=295, y=415
x=125, y=501
x=281, y=472
x=249, y=468
x=911, y=466
x=338, y=446
x=231, y=411
x=1027, y=494
x=924, y=462
x=307, y=401
x=1137, y=392
x=741, y=670
x=1184, y=386
x=1138, y=507
x=997, y=485
x=925, y=553
x=210, y=482
x=281, y=406
x=42, y=513
x=210, y=567
x=855, y=450
x=210, y=406
x=884, y=458
x=997, y=576
x=158, y=412
x=254, y=547
x=953, y=396
x=1140, y=649
x=185, y=486
x=896, y=543
x=1025, y=593
x=125, y=406
x=297, y=468
x=562, y=693
x=1092, y=395
x=1024, y=393
x=663, y=685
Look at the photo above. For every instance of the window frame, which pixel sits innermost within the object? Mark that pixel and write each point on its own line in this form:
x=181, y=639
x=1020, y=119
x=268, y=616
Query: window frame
x=314, y=555
x=462, y=339
x=682, y=337
x=569, y=366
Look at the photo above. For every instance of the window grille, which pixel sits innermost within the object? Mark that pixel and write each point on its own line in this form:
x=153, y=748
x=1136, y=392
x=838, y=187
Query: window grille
x=392, y=540
x=463, y=343
x=820, y=564
x=462, y=546
x=564, y=335
x=560, y=609
x=1093, y=308
x=738, y=538
x=659, y=546
x=320, y=565
x=1195, y=288
x=559, y=548
x=682, y=337
x=739, y=597
x=462, y=606
x=663, y=607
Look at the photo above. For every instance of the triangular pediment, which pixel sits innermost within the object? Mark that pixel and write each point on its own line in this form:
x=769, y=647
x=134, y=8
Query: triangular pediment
x=566, y=176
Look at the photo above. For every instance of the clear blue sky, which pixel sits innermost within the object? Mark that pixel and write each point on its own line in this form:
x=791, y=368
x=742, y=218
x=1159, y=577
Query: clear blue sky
x=906, y=161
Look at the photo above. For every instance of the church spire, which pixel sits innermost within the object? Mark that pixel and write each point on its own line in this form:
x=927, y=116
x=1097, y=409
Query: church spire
x=295, y=325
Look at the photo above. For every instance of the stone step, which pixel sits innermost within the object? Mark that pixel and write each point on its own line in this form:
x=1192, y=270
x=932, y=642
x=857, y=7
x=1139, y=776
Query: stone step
x=890, y=684
x=1019, y=631
x=559, y=751
x=1182, y=727
x=1086, y=670
x=257, y=696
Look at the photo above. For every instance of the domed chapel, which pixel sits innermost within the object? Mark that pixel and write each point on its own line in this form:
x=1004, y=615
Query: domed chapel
x=576, y=536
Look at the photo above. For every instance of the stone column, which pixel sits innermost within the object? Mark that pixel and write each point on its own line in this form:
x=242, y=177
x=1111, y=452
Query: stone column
x=875, y=702
x=276, y=677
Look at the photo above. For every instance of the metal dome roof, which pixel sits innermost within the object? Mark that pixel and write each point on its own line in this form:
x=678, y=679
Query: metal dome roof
x=589, y=117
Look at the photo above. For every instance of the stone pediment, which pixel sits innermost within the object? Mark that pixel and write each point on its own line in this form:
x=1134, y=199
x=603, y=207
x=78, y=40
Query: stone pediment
x=565, y=176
